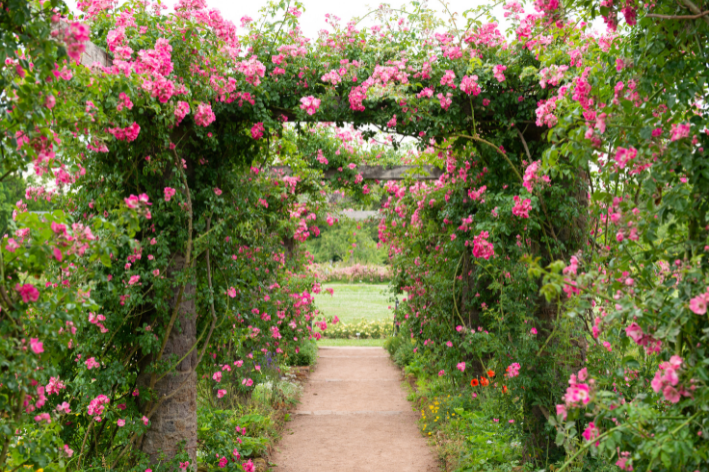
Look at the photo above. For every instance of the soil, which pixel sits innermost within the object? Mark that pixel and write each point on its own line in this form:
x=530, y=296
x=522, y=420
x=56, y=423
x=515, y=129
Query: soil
x=354, y=417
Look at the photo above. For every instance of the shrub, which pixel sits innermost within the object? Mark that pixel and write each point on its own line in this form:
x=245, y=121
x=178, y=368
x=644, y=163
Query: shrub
x=307, y=355
x=271, y=392
x=401, y=349
x=349, y=241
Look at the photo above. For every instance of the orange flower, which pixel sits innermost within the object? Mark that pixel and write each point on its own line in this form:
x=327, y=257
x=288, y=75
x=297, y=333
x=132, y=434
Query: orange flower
x=474, y=383
x=504, y=389
x=484, y=382
x=491, y=373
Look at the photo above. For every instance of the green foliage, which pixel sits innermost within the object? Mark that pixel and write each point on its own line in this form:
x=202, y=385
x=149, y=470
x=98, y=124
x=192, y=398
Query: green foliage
x=247, y=422
x=271, y=392
x=488, y=442
x=471, y=434
x=401, y=349
x=218, y=436
x=307, y=355
x=349, y=241
x=636, y=283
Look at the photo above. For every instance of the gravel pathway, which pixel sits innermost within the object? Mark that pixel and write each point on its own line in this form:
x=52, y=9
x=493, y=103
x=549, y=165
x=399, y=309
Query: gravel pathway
x=354, y=417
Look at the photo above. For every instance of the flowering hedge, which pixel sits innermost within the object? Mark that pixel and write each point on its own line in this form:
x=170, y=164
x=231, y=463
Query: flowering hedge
x=355, y=273
x=640, y=285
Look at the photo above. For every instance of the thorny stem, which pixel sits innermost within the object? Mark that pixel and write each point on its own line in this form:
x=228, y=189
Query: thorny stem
x=671, y=435
x=455, y=301
x=211, y=299
x=116, y=331
x=3, y=292
x=188, y=253
x=472, y=115
x=695, y=9
x=499, y=151
x=544, y=208
x=553, y=331
x=586, y=446
x=83, y=443
x=524, y=143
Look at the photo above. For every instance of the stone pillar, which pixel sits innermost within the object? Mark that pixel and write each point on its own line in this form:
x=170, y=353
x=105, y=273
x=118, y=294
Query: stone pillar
x=174, y=424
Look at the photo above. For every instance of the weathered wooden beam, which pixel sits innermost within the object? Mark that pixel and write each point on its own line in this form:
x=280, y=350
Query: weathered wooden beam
x=93, y=54
x=382, y=173
x=359, y=215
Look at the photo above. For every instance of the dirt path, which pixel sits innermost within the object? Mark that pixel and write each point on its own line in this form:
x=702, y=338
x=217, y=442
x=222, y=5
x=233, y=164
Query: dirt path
x=354, y=417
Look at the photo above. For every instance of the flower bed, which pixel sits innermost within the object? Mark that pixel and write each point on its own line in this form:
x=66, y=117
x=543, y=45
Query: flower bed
x=377, y=329
x=357, y=273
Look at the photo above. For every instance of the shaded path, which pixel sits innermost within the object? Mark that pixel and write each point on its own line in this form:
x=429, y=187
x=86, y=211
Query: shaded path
x=354, y=417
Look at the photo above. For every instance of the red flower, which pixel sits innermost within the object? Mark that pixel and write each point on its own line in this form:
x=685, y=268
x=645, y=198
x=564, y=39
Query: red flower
x=474, y=383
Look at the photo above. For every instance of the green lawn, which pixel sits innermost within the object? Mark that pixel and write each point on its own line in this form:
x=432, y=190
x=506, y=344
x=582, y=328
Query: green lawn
x=354, y=302
x=351, y=342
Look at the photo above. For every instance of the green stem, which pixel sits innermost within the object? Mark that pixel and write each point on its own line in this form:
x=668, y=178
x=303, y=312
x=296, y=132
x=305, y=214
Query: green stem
x=455, y=301
x=499, y=151
x=586, y=446
x=553, y=331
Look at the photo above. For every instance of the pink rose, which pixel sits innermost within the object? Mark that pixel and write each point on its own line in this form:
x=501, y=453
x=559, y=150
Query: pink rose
x=169, y=193
x=310, y=104
x=698, y=304
x=28, y=292
x=37, y=346
x=257, y=131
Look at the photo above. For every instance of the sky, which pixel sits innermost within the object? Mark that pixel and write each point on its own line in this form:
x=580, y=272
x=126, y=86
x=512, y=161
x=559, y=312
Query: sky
x=313, y=19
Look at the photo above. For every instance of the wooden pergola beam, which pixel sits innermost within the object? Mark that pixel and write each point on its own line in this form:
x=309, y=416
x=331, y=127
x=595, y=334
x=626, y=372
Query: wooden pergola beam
x=94, y=54
x=381, y=173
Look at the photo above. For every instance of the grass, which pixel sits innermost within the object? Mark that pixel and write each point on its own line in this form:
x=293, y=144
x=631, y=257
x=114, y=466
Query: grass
x=354, y=302
x=351, y=342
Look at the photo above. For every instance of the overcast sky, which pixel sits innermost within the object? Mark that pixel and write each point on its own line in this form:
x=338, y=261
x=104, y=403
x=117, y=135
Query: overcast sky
x=313, y=19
